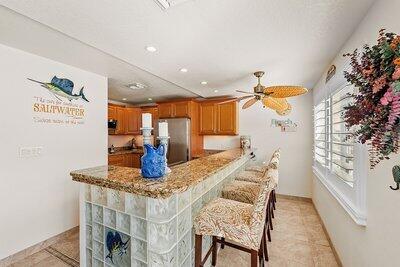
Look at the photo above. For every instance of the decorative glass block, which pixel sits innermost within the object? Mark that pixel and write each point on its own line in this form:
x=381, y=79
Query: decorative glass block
x=138, y=228
x=99, y=195
x=187, y=262
x=97, y=213
x=139, y=249
x=135, y=205
x=183, y=200
x=184, y=222
x=116, y=199
x=206, y=198
x=165, y=260
x=98, y=232
x=162, y=236
x=161, y=209
x=196, y=207
x=88, y=258
x=88, y=193
x=197, y=191
x=117, y=248
x=88, y=213
x=138, y=263
x=98, y=250
x=206, y=244
x=123, y=222
x=97, y=263
x=184, y=247
x=110, y=217
x=89, y=236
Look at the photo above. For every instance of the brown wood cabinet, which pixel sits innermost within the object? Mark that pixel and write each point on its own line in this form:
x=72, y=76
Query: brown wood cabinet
x=131, y=160
x=218, y=119
x=120, y=111
x=177, y=109
x=133, y=120
x=112, y=112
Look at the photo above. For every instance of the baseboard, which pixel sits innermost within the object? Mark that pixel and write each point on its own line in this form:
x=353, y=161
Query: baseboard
x=339, y=262
x=304, y=199
x=36, y=248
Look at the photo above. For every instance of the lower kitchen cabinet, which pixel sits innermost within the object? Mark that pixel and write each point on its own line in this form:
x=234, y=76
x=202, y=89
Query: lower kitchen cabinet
x=131, y=160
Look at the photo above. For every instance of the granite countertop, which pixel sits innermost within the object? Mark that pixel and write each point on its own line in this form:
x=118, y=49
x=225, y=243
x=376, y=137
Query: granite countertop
x=181, y=178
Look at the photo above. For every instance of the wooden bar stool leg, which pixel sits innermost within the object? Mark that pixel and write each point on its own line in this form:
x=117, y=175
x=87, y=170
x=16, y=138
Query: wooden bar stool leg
x=270, y=220
x=198, y=247
x=254, y=254
x=265, y=247
x=214, y=251
x=268, y=233
x=223, y=240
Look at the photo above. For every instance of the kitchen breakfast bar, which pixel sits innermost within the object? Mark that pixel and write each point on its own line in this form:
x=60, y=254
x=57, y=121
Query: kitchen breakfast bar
x=127, y=220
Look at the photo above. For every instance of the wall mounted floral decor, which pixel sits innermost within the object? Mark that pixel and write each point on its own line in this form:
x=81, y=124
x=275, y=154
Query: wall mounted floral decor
x=375, y=111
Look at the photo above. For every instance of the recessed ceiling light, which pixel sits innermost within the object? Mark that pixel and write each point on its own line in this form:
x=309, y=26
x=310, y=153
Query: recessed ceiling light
x=215, y=91
x=151, y=48
x=203, y=82
x=136, y=86
x=124, y=99
x=183, y=70
x=149, y=98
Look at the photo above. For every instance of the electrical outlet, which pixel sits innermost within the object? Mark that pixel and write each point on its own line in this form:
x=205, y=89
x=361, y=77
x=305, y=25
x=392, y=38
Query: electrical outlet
x=30, y=152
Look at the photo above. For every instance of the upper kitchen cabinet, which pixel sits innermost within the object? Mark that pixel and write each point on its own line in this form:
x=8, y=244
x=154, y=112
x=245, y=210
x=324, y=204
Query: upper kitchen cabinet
x=133, y=120
x=218, y=119
x=120, y=117
x=112, y=112
x=176, y=109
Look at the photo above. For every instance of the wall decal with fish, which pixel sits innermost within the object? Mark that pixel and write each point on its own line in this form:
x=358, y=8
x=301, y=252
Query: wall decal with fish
x=117, y=247
x=65, y=107
x=62, y=88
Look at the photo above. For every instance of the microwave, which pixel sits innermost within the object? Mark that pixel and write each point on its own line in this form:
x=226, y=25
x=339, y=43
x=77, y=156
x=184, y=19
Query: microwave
x=112, y=126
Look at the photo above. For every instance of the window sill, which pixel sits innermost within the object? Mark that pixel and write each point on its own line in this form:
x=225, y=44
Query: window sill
x=347, y=205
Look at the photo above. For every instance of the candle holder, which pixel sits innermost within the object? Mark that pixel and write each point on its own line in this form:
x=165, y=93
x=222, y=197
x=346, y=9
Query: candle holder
x=164, y=141
x=146, y=133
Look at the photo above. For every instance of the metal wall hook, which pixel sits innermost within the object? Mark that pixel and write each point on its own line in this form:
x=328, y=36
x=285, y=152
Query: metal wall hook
x=395, y=188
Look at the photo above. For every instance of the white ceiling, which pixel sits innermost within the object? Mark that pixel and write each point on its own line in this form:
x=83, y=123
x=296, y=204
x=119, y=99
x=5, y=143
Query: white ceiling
x=221, y=42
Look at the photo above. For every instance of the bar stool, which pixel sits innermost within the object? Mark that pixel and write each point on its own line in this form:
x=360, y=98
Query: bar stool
x=239, y=222
x=247, y=192
x=261, y=168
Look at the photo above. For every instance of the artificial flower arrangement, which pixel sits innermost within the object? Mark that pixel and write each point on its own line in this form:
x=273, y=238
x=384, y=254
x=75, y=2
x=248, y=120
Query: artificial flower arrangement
x=375, y=111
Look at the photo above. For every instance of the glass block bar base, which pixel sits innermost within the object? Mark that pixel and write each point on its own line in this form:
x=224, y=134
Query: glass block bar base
x=124, y=229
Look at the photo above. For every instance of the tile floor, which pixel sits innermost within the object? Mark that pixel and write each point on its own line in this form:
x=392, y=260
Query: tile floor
x=298, y=239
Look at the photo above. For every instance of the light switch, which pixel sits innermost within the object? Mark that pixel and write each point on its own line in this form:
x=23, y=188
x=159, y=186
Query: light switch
x=30, y=152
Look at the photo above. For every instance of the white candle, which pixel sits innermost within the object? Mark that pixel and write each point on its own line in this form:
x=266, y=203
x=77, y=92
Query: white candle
x=146, y=120
x=163, y=129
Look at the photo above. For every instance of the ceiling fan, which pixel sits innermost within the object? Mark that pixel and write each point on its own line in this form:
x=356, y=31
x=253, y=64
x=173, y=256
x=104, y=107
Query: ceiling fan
x=273, y=97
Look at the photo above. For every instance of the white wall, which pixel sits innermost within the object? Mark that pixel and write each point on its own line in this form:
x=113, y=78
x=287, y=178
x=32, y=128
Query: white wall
x=377, y=244
x=37, y=196
x=296, y=158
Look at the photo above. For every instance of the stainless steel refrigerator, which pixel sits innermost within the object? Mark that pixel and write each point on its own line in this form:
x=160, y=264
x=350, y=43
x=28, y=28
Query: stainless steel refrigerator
x=179, y=142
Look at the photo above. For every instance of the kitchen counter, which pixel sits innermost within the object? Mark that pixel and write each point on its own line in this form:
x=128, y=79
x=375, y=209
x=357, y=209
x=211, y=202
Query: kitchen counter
x=128, y=151
x=182, y=176
x=153, y=219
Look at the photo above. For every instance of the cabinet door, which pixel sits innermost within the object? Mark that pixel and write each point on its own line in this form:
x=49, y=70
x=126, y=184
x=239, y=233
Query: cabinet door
x=136, y=160
x=181, y=109
x=116, y=160
x=120, y=120
x=227, y=118
x=207, y=118
x=112, y=112
x=133, y=120
x=165, y=110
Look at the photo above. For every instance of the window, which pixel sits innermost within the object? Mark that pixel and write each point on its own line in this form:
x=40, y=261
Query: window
x=339, y=162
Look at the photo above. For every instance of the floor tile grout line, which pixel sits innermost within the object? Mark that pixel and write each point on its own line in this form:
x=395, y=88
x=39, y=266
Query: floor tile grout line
x=61, y=256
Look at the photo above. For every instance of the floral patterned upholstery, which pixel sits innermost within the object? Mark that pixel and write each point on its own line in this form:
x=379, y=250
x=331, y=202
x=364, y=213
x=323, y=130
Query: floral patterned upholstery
x=262, y=168
x=271, y=175
x=240, y=222
x=242, y=191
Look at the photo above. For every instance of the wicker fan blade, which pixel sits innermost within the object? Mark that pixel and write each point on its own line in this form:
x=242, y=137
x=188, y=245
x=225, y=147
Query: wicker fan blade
x=285, y=112
x=285, y=91
x=275, y=103
x=235, y=99
x=249, y=103
x=244, y=92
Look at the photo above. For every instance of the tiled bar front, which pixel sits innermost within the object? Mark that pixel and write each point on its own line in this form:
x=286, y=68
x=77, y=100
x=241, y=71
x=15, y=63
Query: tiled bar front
x=154, y=232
